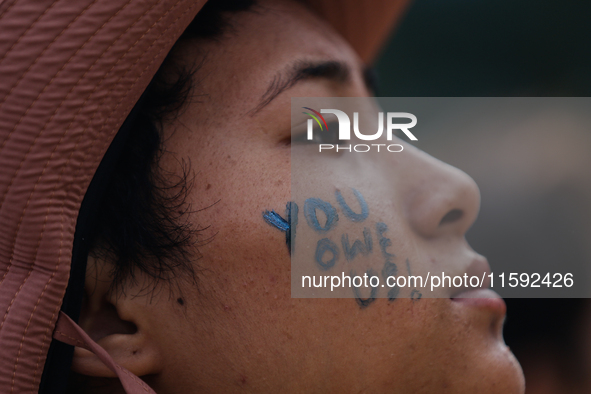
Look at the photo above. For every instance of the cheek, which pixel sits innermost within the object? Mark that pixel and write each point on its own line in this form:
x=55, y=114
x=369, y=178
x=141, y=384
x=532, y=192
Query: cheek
x=242, y=254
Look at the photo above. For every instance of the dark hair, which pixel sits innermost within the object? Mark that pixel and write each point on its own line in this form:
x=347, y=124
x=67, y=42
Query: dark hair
x=143, y=218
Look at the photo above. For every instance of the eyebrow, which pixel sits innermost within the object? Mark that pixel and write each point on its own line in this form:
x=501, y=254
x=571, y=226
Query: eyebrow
x=303, y=70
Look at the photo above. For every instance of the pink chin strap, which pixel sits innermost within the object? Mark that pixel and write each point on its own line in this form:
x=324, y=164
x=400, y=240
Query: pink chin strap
x=67, y=331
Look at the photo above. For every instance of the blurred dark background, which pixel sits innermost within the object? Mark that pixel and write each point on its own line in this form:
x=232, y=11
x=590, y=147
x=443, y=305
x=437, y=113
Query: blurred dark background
x=489, y=48
x=514, y=48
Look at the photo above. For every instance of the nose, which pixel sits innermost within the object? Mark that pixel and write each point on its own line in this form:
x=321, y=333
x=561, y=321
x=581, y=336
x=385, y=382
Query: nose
x=439, y=199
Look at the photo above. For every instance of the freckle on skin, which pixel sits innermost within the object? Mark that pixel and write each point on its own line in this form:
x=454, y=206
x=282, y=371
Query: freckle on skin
x=180, y=301
x=207, y=187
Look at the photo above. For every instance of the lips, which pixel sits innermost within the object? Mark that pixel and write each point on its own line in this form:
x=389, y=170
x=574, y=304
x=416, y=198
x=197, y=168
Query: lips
x=484, y=306
x=482, y=298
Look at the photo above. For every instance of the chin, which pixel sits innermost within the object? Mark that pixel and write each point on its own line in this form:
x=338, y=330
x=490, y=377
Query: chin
x=509, y=373
x=497, y=370
x=483, y=363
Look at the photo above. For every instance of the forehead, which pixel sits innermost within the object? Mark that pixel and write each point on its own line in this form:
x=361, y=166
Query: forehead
x=236, y=70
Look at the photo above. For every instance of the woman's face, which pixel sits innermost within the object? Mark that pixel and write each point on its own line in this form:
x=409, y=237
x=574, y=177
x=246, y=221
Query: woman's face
x=239, y=329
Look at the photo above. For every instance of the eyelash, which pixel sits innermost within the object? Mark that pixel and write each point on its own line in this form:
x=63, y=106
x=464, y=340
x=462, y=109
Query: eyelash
x=330, y=136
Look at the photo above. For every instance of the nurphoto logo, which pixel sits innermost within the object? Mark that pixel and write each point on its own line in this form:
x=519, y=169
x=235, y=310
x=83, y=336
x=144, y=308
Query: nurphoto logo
x=344, y=131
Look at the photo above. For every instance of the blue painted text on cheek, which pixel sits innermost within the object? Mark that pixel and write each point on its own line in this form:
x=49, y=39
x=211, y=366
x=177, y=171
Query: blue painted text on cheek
x=311, y=206
x=390, y=269
x=358, y=246
x=326, y=245
x=356, y=217
x=289, y=226
x=364, y=302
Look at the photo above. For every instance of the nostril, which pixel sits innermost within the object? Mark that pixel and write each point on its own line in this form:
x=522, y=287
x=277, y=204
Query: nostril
x=452, y=216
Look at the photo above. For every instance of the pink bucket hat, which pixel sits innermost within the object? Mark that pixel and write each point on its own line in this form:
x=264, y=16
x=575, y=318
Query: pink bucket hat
x=70, y=73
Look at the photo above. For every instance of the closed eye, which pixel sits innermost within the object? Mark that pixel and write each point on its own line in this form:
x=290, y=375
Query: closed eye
x=319, y=136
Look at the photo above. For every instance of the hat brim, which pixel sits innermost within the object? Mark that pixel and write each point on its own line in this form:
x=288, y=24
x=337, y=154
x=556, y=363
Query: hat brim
x=366, y=25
